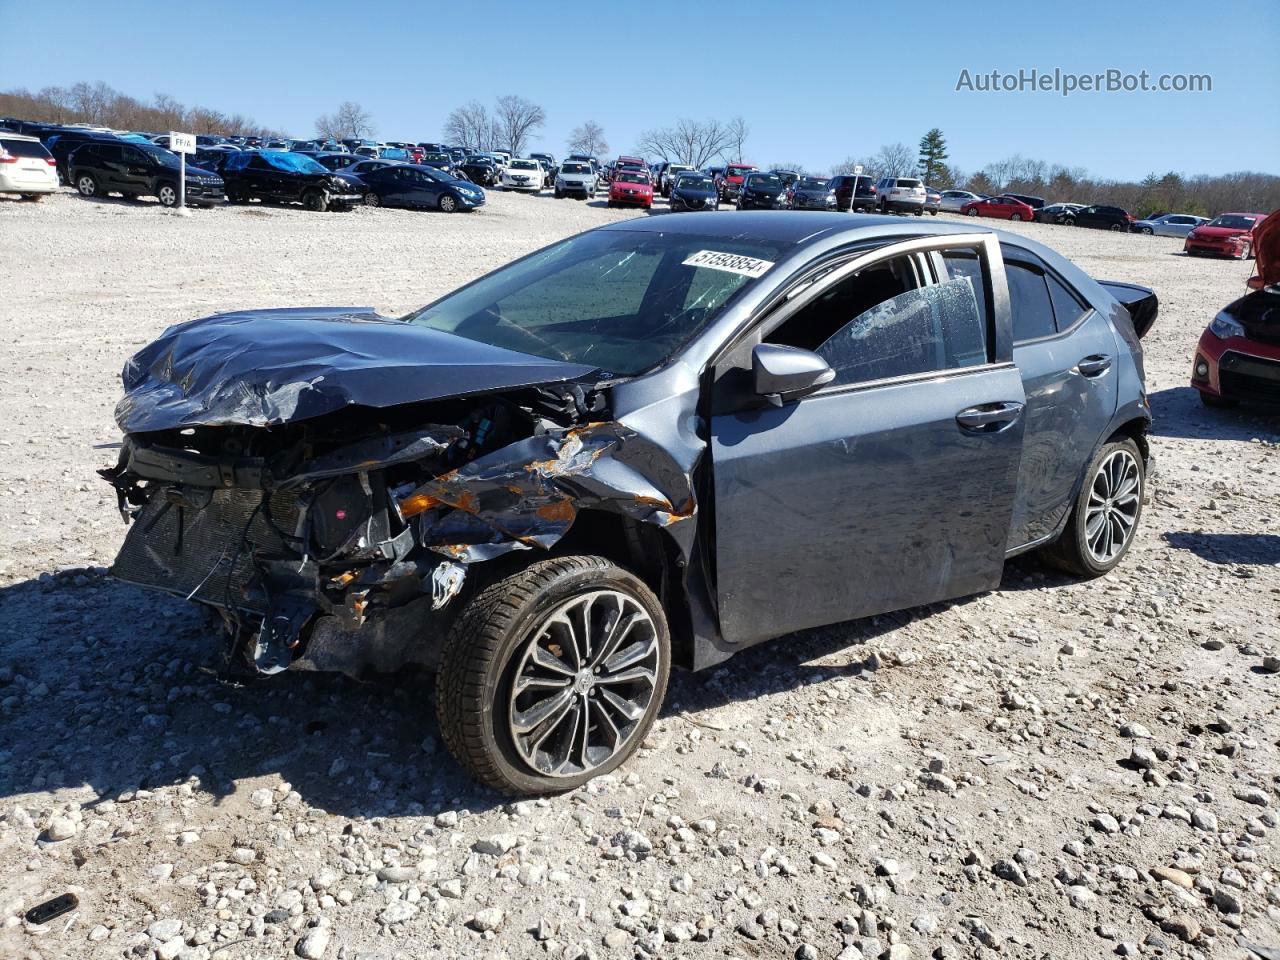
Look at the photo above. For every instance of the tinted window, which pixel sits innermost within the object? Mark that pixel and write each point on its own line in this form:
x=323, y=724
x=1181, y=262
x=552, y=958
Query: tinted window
x=22, y=148
x=1067, y=307
x=1029, y=301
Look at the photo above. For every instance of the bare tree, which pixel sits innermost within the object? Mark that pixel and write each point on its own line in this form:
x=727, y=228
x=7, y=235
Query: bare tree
x=589, y=139
x=694, y=142
x=169, y=112
x=846, y=167
x=895, y=160
x=517, y=118
x=470, y=127
x=349, y=120
x=736, y=133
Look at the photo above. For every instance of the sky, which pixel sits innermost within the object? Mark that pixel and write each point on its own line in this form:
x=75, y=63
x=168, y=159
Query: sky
x=816, y=83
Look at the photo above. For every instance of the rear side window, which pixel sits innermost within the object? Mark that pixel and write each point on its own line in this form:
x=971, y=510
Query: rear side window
x=23, y=148
x=1067, y=307
x=1029, y=302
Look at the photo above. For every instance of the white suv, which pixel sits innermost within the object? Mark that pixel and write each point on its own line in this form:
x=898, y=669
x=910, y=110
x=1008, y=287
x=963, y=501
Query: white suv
x=900, y=193
x=26, y=167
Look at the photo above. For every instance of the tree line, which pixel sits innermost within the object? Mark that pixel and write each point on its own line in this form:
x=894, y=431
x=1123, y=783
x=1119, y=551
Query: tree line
x=1200, y=195
x=102, y=105
x=513, y=121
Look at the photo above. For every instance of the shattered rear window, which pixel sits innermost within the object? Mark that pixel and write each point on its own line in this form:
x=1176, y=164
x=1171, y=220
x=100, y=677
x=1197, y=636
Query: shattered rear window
x=621, y=301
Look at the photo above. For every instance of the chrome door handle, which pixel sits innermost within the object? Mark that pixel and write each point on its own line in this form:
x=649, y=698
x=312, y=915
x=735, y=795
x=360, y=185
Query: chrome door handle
x=1095, y=365
x=989, y=417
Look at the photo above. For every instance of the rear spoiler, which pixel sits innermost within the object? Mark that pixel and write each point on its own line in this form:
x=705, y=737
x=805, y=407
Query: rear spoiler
x=1141, y=302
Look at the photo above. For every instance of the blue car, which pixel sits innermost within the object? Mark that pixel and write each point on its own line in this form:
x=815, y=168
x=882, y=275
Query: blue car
x=415, y=185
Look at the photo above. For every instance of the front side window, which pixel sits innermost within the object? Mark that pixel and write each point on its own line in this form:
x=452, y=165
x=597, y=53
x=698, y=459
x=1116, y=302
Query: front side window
x=885, y=322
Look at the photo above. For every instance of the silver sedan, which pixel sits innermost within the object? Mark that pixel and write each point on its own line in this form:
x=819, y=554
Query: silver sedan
x=1169, y=225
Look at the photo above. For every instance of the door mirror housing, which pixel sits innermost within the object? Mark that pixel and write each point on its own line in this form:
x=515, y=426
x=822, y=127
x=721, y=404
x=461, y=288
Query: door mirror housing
x=784, y=373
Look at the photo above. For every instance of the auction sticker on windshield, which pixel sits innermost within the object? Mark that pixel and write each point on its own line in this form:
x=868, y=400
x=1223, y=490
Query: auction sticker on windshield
x=728, y=262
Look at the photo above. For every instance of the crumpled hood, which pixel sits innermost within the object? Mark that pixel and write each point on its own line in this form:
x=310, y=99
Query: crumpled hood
x=263, y=367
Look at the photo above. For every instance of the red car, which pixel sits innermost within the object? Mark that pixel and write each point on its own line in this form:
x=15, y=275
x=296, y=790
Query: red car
x=1226, y=235
x=630, y=164
x=631, y=187
x=730, y=183
x=1004, y=208
x=1238, y=356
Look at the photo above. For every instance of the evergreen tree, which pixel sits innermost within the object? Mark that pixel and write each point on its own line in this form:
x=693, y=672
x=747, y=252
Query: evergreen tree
x=933, y=151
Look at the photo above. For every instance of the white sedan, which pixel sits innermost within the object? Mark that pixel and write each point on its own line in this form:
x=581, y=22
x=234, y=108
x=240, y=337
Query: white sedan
x=26, y=167
x=522, y=174
x=953, y=200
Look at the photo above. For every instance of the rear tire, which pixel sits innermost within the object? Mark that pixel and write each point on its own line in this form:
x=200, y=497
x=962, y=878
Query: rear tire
x=972, y=212
x=552, y=625
x=1115, y=228
x=33, y=197
x=1108, y=506
x=1015, y=217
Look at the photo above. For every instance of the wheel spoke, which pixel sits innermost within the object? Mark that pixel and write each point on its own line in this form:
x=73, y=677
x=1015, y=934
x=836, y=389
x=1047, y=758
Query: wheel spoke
x=631, y=711
x=626, y=676
x=541, y=712
x=618, y=631
x=549, y=661
x=629, y=656
x=524, y=684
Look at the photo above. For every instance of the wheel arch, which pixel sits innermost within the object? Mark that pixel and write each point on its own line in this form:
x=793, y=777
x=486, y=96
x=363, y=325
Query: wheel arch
x=649, y=552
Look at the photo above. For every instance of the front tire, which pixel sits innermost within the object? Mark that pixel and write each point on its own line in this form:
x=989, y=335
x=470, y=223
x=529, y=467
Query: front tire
x=447, y=203
x=167, y=194
x=1116, y=228
x=553, y=675
x=1105, y=517
x=87, y=185
x=1015, y=217
x=1148, y=231
x=1215, y=402
x=371, y=199
x=972, y=212
x=316, y=201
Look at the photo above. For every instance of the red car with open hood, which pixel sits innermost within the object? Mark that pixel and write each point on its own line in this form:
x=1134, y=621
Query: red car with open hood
x=1238, y=356
x=1226, y=235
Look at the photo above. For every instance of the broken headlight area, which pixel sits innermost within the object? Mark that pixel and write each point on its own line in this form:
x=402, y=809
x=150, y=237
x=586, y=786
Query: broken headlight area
x=337, y=554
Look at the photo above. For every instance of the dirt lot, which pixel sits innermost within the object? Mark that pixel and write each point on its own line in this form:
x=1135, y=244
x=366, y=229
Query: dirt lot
x=1056, y=770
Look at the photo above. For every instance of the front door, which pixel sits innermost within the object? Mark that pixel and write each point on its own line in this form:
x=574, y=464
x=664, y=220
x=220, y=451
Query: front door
x=893, y=485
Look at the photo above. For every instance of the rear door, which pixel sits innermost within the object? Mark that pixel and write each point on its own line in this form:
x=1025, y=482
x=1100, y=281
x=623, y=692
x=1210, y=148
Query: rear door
x=894, y=484
x=1066, y=354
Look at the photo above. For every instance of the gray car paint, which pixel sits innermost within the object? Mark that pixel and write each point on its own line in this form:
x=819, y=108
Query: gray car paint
x=961, y=492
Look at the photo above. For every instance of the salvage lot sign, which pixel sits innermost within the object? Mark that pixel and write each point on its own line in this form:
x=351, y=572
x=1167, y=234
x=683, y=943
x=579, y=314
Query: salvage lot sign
x=182, y=142
x=728, y=262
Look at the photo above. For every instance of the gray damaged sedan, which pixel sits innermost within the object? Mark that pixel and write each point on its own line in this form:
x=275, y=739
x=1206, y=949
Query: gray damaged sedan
x=653, y=444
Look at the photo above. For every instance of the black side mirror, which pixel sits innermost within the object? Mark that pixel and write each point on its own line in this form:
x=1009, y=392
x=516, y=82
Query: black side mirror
x=787, y=373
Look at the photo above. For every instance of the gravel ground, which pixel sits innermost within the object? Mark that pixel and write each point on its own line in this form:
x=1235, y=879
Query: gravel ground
x=1054, y=770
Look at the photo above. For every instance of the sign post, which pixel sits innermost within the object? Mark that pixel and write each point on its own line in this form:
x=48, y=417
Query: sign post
x=853, y=196
x=182, y=144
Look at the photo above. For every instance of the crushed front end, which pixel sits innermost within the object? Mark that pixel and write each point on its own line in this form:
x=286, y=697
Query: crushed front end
x=332, y=553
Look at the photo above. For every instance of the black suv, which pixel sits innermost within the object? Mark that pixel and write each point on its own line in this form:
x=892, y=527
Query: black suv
x=1100, y=217
x=62, y=142
x=98, y=168
x=856, y=193
x=271, y=175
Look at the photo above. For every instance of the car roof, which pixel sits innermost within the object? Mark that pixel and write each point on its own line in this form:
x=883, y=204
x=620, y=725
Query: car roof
x=17, y=136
